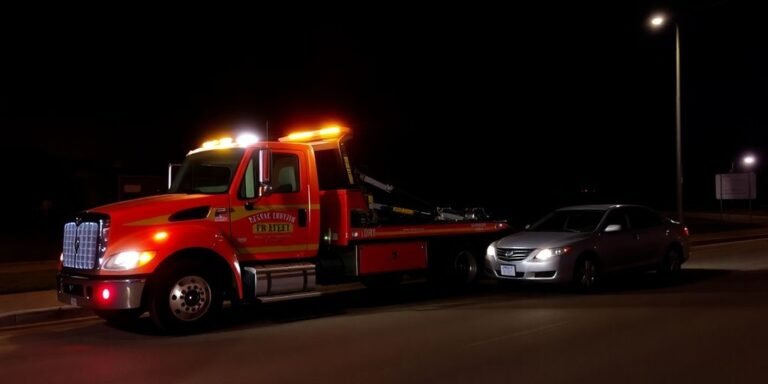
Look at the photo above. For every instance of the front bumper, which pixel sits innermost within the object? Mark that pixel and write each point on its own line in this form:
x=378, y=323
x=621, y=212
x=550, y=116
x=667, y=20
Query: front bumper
x=554, y=270
x=89, y=292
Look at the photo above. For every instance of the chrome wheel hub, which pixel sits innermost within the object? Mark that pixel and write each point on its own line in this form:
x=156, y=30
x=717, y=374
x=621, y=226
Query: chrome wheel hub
x=190, y=298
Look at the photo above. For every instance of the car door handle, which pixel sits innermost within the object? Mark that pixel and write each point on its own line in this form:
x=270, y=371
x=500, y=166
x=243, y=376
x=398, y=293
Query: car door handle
x=302, y=217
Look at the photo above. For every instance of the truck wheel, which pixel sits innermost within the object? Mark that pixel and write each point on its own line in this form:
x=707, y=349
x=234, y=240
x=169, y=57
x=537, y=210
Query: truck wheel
x=186, y=301
x=120, y=317
x=464, y=268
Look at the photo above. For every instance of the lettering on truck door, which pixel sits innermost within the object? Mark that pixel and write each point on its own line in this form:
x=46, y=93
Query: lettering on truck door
x=275, y=226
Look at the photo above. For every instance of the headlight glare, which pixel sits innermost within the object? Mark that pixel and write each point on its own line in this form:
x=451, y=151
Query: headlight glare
x=128, y=260
x=548, y=253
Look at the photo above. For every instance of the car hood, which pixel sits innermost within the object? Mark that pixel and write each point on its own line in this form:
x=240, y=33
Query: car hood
x=541, y=239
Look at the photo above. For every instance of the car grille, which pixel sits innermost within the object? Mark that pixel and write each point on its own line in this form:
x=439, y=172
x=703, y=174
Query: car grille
x=83, y=243
x=513, y=254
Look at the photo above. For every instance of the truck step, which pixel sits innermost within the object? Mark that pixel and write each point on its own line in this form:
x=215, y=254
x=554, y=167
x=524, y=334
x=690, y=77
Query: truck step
x=281, y=281
x=290, y=296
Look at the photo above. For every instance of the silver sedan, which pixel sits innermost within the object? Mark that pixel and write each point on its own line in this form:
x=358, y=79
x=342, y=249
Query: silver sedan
x=579, y=244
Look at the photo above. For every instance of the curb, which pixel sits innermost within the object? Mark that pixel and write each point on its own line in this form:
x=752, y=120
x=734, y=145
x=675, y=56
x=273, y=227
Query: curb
x=40, y=315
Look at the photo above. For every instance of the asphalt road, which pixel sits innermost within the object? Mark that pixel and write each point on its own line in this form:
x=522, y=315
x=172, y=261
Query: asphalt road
x=710, y=327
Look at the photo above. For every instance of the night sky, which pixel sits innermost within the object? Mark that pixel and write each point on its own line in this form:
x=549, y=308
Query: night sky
x=520, y=108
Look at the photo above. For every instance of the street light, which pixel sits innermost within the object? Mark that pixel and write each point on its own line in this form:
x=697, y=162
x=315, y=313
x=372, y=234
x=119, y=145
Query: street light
x=749, y=161
x=657, y=21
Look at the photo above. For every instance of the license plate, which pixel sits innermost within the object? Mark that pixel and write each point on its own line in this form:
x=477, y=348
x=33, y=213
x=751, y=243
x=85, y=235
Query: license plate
x=508, y=270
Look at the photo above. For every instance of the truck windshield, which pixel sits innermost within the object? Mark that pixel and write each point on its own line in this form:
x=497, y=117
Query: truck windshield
x=207, y=171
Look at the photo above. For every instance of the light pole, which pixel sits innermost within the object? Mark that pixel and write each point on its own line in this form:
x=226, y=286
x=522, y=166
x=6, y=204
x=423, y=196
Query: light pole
x=657, y=21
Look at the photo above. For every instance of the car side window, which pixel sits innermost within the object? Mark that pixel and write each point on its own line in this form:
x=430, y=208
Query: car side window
x=617, y=217
x=641, y=218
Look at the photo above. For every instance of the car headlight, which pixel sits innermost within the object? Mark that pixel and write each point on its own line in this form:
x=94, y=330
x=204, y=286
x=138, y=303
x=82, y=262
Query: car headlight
x=491, y=250
x=128, y=260
x=548, y=253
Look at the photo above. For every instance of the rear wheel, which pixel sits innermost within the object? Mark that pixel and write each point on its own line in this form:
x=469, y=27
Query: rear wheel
x=586, y=275
x=457, y=270
x=671, y=264
x=186, y=301
x=464, y=268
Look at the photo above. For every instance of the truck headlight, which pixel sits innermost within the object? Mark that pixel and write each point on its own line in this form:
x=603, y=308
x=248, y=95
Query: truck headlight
x=548, y=253
x=128, y=260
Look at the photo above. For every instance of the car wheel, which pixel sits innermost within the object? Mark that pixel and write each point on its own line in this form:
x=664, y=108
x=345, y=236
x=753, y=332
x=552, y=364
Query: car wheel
x=586, y=274
x=671, y=264
x=186, y=301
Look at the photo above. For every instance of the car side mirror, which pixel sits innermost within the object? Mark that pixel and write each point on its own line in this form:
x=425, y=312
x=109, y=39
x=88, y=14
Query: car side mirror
x=613, y=228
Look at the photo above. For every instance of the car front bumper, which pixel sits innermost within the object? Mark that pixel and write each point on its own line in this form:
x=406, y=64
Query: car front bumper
x=551, y=271
x=100, y=294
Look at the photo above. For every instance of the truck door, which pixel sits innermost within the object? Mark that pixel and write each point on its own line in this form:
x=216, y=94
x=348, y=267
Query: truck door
x=275, y=225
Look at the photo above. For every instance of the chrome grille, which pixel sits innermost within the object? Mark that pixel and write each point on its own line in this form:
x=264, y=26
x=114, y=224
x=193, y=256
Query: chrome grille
x=81, y=245
x=513, y=254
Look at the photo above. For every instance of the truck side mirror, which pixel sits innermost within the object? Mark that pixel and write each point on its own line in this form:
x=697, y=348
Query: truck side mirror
x=265, y=172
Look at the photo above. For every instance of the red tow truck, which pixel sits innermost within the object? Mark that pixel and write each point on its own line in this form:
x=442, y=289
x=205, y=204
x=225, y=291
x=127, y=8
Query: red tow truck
x=249, y=220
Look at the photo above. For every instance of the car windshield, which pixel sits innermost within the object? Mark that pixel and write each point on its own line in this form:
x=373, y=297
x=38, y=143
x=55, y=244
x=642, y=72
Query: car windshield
x=207, y=171
x=569, y=221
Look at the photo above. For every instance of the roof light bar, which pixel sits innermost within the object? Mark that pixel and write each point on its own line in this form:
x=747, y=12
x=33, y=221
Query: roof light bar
x=333, y=132
x=243, y=140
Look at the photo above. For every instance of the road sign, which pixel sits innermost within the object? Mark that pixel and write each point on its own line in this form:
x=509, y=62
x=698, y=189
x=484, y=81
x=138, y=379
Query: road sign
x=735, y=186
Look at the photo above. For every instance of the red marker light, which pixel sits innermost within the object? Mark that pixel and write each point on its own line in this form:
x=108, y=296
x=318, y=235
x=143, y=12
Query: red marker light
x=686, y=232
x=105, y=294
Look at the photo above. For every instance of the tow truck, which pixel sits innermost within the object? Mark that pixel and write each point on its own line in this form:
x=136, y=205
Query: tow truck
x=258, y=221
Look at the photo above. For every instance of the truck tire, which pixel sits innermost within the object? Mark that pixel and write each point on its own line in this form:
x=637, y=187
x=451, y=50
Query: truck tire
x=186, y=300
x=457, y=270
x=464, y=268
